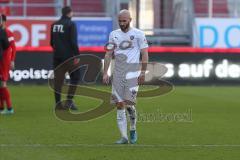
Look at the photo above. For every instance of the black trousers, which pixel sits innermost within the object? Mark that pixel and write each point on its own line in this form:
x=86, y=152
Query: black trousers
x=61, y=66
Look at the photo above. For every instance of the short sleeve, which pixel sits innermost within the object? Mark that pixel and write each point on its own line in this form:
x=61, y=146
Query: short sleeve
x=143, y=41
x=111, y=38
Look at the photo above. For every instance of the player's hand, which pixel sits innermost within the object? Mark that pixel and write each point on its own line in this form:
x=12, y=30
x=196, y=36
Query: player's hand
x=105, y=78
x=141, y=78
x=12, y=65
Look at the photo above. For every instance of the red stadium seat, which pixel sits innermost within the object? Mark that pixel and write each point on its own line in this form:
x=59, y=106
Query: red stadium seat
x=220, y=8
x=46, y=11
x=87, y=6
x=4, y=1
x=5, y=10
x=40, y=1
x=17, y=1
x=80, y=7
x=33, y=11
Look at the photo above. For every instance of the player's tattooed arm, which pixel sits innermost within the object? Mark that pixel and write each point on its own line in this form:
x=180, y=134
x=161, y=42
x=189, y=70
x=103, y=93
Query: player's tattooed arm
x=107, y=61
x=144, y=53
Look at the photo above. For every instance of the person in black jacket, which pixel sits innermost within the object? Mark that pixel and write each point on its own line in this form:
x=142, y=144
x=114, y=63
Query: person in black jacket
x=64, y=43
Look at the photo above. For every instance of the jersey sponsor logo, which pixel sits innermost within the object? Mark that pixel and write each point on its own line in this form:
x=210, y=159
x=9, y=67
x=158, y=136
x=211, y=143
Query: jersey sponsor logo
x=124, y=45
x=132, y=37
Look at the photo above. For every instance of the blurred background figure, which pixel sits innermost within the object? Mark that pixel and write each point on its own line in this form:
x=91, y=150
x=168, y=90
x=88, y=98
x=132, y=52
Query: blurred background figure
x=63, y=40
x=6, y=63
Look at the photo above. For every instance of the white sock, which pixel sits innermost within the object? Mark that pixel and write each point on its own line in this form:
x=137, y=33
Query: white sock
x=132, y=117
x=122, y=122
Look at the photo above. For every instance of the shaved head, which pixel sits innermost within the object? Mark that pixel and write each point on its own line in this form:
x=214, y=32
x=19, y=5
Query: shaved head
x=125, y=13
x=124, y=19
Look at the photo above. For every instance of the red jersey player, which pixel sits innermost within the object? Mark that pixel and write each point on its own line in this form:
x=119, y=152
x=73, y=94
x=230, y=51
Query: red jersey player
x=6, y=64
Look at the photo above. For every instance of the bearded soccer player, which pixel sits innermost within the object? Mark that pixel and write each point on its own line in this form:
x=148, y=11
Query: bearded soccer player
x=126, y=44
x=6, y=63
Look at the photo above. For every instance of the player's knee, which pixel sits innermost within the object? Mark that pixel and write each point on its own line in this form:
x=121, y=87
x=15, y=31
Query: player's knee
x=3, y=84
x=132, y=111
x=129, y=108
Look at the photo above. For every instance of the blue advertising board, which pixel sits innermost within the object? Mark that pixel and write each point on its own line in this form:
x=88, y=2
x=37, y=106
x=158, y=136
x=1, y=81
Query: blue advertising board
x=217, y=33
x=93, y=31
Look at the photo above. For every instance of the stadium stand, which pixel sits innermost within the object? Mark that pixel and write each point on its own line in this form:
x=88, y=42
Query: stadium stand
x=172, y=18
x=220, y=8
x=50, y=7
x=16, y=7
x=4, y=8
x=31, y=8
x=88, y=8
x=48, y=11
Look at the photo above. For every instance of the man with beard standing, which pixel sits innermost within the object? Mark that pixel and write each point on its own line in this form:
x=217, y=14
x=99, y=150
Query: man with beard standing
x=127, y=44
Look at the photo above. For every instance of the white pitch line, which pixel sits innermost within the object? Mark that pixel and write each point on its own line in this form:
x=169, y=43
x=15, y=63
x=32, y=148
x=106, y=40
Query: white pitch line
x=117, y=146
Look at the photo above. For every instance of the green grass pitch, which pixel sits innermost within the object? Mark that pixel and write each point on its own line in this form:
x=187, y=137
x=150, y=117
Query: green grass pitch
x=34, y=133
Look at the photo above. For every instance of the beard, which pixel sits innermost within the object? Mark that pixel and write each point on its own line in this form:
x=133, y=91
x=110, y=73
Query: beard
x=124, y=27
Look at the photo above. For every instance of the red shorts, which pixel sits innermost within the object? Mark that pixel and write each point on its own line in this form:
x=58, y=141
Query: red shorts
x=5, y=63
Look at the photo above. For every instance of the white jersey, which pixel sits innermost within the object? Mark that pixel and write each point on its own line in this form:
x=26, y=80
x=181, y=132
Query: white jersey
x=136, y=37
x=127, y=62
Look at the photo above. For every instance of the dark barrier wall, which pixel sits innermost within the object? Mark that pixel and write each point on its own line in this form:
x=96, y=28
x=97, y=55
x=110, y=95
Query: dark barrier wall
x=183, y=68
x=200, y=68
x=32, y=67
